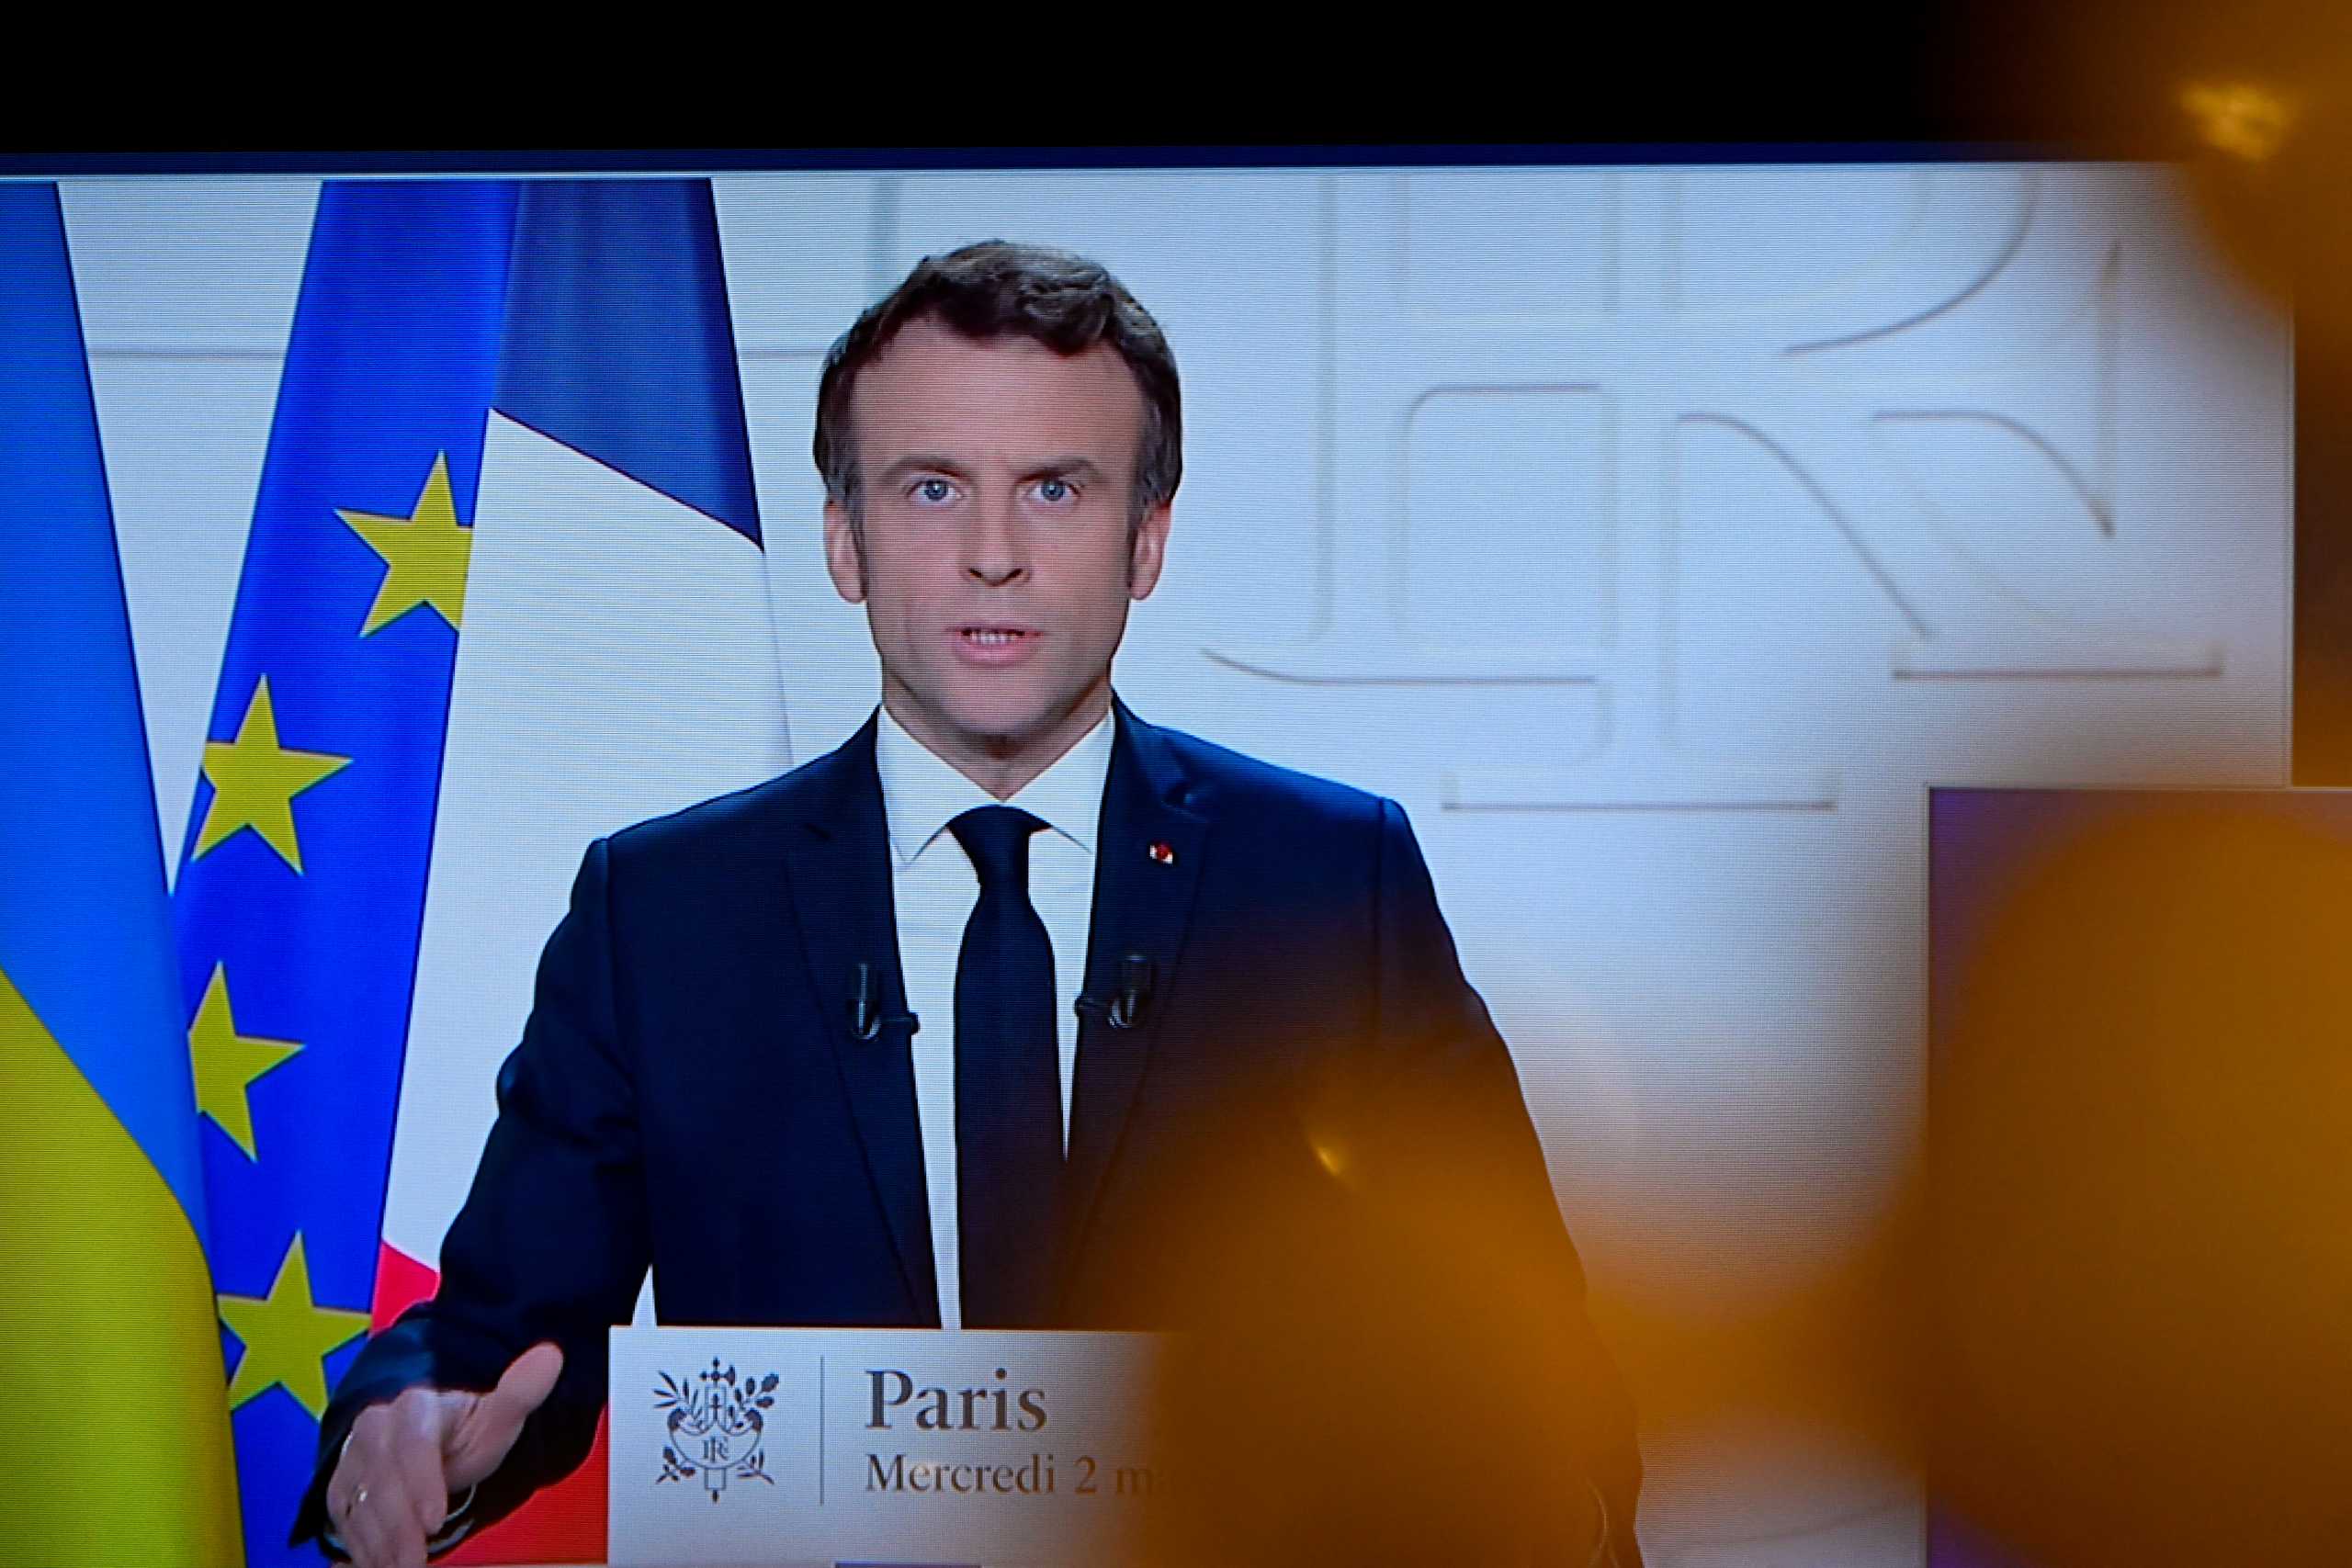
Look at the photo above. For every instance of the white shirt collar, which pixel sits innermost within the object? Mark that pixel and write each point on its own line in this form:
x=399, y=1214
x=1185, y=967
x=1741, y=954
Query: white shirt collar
x=921, y=792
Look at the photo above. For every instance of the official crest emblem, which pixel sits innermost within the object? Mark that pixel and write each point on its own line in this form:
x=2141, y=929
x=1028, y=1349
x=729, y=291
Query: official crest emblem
x=716, y=1422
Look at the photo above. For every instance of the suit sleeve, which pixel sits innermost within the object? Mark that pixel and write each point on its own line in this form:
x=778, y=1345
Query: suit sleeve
x=1459, y=1140
x=552, y=1241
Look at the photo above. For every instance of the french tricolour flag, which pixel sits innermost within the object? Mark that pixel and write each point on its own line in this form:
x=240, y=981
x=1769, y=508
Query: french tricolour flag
x=616, y=660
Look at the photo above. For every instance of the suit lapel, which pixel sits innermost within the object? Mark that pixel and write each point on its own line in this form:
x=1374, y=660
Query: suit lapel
x=1148, y=850
x=841, y=895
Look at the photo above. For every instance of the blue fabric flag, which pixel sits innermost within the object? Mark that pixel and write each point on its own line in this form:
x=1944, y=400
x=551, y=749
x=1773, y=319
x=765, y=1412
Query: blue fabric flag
x=594, y=311
x=301, y=890
x=619, y=343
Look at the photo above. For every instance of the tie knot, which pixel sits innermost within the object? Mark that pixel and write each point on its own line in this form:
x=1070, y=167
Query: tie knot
x=997, y=837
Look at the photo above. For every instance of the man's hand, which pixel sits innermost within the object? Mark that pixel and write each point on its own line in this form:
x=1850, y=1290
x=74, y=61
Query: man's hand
x=390, y=1489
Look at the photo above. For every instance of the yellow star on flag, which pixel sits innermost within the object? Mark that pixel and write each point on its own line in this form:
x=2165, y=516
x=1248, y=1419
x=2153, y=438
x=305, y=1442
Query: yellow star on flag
x=286, y=1338
x=227, y=1062
x=255, y=781
x=427, y=553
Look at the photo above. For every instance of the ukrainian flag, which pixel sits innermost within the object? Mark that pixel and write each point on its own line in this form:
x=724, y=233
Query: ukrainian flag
x=117, y=1446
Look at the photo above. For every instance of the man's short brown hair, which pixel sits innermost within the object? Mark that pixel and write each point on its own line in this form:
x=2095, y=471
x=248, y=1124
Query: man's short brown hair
x=985, y=290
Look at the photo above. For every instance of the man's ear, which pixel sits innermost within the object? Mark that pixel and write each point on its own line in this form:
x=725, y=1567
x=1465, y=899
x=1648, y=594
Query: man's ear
x=1149, y=550
x=844, y=554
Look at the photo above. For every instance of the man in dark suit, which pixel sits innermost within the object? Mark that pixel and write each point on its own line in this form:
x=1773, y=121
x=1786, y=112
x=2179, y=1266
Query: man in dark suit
x=1014, y=1011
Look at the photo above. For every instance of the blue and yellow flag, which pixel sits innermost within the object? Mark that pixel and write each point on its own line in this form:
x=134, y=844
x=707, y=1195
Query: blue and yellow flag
x=301, y=887
x=117, y=1445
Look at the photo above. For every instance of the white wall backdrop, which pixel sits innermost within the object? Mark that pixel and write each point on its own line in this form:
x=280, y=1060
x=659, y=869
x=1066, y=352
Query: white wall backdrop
x=1655, y=535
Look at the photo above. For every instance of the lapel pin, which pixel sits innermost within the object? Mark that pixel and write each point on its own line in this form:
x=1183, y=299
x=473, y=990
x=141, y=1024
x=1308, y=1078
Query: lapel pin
x=1164, y=853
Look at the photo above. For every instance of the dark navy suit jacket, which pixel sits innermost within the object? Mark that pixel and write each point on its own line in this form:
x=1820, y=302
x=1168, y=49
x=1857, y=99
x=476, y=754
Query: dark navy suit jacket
x=690, y=1092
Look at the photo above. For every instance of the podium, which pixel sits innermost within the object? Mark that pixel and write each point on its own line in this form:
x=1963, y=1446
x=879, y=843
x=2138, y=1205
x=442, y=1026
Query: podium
x=758, y=1448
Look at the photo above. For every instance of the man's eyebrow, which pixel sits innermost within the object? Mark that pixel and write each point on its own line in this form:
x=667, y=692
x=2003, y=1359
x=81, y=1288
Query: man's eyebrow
x=1072, y=467
x=923, y=463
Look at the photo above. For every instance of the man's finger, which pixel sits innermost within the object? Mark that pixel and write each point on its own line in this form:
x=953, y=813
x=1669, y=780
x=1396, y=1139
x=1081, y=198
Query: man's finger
x=489, y=1428
x=531, y=1378
x=381, y=1524
x=364, y=1537
x=360, y=1454
x=419, y=1419
x=358, y=1538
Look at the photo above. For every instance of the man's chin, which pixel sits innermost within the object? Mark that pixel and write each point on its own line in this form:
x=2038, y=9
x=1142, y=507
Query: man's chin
x=991, y=721
x=1007, y=729
x=1000, y=713
x=1003, y=735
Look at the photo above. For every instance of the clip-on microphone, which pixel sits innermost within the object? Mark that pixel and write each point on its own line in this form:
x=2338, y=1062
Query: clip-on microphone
x=865, y=1015
x=1136, y=975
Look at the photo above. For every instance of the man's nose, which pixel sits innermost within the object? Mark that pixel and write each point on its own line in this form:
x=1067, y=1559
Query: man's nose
x=995, y=551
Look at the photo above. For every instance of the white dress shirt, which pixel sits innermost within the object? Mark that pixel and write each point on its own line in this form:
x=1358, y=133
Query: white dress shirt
x=933, y=889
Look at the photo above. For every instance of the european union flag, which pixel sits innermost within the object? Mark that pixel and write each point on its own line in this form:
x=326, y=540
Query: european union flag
x=301, y=889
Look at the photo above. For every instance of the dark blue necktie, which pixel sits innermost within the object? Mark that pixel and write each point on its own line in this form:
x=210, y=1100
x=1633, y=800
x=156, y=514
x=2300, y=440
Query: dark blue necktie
x=1008, y=1082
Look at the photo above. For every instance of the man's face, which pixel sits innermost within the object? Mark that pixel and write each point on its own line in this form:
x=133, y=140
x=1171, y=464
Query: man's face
x=997, y=569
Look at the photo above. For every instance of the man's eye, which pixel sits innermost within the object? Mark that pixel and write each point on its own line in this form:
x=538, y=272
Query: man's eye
x=932, y=492
x=1055, y=492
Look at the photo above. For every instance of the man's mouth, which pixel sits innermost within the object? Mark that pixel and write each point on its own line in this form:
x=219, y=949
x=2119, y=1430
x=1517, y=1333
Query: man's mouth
x=995, y=637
